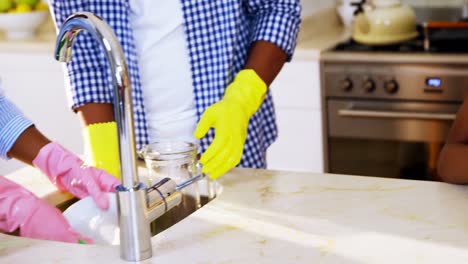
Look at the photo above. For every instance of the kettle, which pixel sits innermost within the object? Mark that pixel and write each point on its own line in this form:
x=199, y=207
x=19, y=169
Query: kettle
x=384, y=22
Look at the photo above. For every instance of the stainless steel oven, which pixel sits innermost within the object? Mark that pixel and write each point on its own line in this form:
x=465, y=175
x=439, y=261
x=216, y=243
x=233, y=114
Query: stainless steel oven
x=389, y=115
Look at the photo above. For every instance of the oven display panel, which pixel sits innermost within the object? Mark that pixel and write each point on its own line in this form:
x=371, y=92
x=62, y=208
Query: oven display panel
x=434, y=83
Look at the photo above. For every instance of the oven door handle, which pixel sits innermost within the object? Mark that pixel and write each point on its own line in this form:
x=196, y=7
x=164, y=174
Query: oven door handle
x=395, y=115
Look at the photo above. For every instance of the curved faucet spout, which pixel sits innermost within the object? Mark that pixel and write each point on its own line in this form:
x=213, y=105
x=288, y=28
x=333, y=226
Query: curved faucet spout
x=123, y=109
x=135, y=235
x=137, y=204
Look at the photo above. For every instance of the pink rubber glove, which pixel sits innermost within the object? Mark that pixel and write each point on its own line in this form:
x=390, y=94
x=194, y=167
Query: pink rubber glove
x=68, y=172
x=20, y=208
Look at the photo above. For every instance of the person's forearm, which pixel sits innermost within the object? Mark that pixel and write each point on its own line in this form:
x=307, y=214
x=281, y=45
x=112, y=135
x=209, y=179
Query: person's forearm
x=266, y=59
x=28, y=145
x=452, y=163
x=93, y=113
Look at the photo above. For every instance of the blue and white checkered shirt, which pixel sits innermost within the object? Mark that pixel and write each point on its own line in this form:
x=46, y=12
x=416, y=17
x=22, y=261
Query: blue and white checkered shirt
x=219, y=34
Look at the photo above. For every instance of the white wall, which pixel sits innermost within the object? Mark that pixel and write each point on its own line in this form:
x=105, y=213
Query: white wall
x=35, y=83
x=311, y=6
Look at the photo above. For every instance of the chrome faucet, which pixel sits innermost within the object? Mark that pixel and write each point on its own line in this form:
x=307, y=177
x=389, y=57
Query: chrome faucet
x=137, y=204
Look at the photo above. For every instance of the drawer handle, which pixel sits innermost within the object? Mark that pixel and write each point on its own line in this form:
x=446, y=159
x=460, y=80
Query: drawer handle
x=395, y=115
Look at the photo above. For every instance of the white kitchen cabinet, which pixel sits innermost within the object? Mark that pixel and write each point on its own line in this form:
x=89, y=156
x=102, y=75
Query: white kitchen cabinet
x=296, y=92
x=35, y=83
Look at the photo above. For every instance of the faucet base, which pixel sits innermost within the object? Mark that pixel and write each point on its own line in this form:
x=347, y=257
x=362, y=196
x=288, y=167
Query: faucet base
x=135, y=235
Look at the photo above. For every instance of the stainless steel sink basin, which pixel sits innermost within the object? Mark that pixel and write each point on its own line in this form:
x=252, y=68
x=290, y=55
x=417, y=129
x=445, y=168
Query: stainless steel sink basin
x=208, y=192
x=186, y=208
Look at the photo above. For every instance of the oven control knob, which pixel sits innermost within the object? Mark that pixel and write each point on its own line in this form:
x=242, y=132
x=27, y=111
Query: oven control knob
x=346, y=84
x=369, y=86
x=391, y=86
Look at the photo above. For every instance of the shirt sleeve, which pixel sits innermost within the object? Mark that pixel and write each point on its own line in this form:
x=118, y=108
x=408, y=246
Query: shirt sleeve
x=277, y=22
x=88, y=72
x=12, y=125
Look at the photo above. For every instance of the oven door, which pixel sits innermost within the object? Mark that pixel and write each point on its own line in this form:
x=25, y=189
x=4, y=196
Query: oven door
x=387, y=139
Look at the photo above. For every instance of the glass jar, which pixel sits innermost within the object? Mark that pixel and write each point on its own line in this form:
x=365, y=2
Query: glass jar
x=176, y=160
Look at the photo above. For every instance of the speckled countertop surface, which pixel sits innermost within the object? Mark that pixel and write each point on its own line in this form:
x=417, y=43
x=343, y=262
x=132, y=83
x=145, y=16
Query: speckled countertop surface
x=283, y=217
x=319, y=32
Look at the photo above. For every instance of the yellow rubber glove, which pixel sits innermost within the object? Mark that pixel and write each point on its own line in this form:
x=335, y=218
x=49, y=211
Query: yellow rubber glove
x=101, y=147
x=230, y=119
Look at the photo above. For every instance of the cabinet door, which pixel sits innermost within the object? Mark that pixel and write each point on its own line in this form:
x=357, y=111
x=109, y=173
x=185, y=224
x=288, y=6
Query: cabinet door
x=298, y=86
x=35, y=83
x=296, y=93
x=299, y=144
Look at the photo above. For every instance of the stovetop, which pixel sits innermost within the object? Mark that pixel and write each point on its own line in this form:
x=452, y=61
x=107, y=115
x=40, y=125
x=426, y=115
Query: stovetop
x=441, y=41
x=406, y=47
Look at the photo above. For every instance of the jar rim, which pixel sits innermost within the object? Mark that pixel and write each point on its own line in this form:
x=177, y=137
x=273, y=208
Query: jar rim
x=168, y=147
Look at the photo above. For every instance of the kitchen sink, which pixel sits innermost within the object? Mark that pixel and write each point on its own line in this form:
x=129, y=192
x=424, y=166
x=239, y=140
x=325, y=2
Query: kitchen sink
x=186, y=208
x=208, y=190
x=189, y=204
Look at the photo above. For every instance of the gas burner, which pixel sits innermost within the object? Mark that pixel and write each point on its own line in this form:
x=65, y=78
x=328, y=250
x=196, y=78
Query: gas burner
x=414, y=45
x=406, y=47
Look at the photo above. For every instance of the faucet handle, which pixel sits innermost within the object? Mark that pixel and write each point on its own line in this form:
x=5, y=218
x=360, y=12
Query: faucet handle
x=162, y=197
x=158, y=193
x=190, y=181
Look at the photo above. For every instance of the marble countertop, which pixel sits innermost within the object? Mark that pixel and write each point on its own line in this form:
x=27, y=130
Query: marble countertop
x=319, y=32
x=283, y=217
